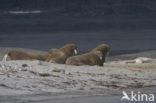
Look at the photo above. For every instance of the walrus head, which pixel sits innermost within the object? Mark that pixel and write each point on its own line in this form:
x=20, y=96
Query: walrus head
x=99, y=54
x=69, y=49
x=104, y=48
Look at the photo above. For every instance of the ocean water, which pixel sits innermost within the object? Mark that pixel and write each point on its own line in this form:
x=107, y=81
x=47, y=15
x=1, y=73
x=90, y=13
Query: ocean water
x=46, y=30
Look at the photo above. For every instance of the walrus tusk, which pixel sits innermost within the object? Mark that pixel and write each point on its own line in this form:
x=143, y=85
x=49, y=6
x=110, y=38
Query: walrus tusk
x=5, y=57
x=75, y=51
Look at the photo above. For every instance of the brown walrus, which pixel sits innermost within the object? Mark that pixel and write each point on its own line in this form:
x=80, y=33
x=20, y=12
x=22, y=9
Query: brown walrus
x=60, y=55
x=95, y=57
x=54, y=55
x=21, y=55
x=104, y=48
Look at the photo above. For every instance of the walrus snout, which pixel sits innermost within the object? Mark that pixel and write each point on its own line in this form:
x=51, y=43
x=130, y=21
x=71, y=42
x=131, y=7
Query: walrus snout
x=99, y=54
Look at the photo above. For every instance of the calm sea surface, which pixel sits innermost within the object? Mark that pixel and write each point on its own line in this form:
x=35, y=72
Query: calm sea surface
x=44, y=30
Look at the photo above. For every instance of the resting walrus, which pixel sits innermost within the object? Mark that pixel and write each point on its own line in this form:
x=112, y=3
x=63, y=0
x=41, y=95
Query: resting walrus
x=95, y=57
x=104, y=48
x=60, y=55
x=86, y=59
x=54, y=55
x=21, y=55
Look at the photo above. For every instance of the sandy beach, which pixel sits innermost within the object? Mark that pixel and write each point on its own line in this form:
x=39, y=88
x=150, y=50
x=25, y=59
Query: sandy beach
x=37, y=81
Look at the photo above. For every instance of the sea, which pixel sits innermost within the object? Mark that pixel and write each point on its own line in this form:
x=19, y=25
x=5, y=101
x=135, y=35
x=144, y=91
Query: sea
x=43, y=30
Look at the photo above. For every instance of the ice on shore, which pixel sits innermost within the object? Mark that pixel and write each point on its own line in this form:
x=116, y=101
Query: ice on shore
x=37, y=76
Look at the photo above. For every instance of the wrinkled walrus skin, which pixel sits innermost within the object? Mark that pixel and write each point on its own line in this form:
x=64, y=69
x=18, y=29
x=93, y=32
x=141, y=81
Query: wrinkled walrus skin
x=96, y=56
x=86, y=59
x=21, y=55
x=60, y=55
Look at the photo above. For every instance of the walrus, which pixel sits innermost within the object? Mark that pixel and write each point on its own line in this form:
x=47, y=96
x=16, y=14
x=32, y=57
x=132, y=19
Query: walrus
x=94, y=57
x=54, y=55
x=60, y=55
x=21, y=55
x=104, y=48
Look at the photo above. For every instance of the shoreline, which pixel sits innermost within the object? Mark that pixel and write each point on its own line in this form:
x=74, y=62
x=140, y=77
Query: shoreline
x=120, y=54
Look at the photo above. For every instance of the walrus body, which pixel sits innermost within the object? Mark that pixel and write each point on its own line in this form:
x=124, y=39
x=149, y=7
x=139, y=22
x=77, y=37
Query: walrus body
x=96, y=56
x=21, y=55
x=54, y=55
x=60, y=55
x=86, y=59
